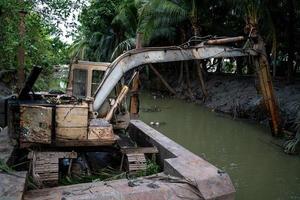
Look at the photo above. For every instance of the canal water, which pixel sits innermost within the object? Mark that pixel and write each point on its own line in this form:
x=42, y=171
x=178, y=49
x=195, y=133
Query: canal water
x=246, y=151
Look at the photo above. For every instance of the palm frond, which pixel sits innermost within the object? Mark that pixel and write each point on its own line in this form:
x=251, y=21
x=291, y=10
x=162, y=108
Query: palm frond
x=125, y=45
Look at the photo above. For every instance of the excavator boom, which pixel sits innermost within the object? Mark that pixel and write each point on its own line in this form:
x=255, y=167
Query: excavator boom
x=134, y=58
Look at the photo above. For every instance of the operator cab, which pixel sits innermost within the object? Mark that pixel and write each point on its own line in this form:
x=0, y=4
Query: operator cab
x=85, y=77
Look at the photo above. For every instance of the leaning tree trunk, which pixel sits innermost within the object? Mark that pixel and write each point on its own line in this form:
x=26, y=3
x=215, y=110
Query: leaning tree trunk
x=166, y=84
x=180, y=78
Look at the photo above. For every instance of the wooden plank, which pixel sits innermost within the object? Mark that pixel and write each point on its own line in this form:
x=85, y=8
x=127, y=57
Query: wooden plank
x=71, y=116
x=35, y=124
x=139, y=150
x=71, y=133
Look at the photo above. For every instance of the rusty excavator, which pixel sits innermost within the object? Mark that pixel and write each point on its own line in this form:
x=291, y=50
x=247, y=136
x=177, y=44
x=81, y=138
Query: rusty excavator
x=90, y=114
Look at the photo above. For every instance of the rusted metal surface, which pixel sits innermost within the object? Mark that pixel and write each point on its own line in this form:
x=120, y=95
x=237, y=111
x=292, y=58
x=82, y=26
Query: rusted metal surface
x=225, y=40
x=35, y=124
x=100, y=131
x=71, y=122
x=135, y=58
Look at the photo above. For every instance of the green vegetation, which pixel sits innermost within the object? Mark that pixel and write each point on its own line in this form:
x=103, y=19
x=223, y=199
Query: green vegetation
x=4, y=167
x=109, y=174
x=108, y=28
x=41, y=41
x=104, y=174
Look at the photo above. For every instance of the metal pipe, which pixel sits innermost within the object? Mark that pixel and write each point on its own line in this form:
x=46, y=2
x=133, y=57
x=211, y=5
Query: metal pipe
x=225, y=40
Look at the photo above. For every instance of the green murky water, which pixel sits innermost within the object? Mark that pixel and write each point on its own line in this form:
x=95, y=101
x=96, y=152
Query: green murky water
x=258, y=168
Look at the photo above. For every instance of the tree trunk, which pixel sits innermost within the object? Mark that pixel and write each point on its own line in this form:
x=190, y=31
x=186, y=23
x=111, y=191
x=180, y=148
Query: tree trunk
x=239, y=66
x=195, y=26
x=188, y=81
x=180, y=79
x=219, y=66
x=200, y=75
x=183, y=39
x=162, y=79
x=21, y=50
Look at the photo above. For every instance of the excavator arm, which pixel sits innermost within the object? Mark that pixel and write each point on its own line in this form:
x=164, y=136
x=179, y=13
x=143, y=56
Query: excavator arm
x=134, y=58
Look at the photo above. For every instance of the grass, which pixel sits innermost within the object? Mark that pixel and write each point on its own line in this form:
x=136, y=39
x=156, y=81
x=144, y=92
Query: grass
x=109, y=174
x=4, y=167
x=104, y=174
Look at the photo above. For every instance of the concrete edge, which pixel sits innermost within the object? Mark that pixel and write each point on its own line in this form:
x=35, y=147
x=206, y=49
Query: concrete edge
x=178, y=161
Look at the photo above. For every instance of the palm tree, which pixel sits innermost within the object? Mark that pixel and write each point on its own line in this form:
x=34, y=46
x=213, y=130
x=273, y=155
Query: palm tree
x=164, y=15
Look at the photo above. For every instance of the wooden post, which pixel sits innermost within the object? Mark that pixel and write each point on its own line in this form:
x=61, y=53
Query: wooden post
x=134, y=99
x=200, y=75
x=266, y=85
x=21, y=50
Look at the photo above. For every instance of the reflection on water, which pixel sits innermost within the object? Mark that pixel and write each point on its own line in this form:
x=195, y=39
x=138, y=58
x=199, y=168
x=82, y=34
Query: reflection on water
x=258, y=168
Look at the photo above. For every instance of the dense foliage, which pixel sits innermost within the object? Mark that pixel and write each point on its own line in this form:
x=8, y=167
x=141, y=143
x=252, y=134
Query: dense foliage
x=41, y=41
x=110, y=27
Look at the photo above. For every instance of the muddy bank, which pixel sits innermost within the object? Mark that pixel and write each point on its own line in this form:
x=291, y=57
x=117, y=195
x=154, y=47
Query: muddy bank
x=240, y=98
